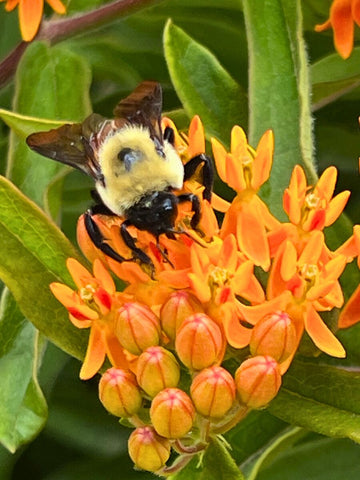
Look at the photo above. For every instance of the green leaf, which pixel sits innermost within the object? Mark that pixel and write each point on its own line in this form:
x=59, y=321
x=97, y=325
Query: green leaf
x=216, y=464
x=204, y=87
x=332, y=77
x=253, y=433
x=326, y=459
x=23, y=409
x=320, y=398
x=34, y=252
x=279, y=90
x=24, y=125
x=51, y=83
x=283, y=442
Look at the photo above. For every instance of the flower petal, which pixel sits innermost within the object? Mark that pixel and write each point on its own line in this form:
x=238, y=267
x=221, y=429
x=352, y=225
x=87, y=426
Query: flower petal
x=95, y=354
x=236, y=334
x=251, y=236
x=57, y=6
x=351, y=312
x=262, y=162
x=343, y=26
x=196, y=137
x=323, y=338
x=30, y=13
x=102, y=274
x=336, y=206
x=219, y=157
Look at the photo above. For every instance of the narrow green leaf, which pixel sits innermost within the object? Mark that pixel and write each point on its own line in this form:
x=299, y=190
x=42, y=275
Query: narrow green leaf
x=332, y=77
x=203, y=85
x=216, y=464
x=279, y=90
x=326, y=459
x=34, y=252
x=280, y=444
x=51, y=83
x=23, y=409
x=250, y=436
x=320, y=398
x=24, y=125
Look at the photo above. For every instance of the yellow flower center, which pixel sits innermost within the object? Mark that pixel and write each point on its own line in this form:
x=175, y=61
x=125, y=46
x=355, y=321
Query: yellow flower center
x=87, y=293
x=218, y=277
x=312, y=201
x=309, y=272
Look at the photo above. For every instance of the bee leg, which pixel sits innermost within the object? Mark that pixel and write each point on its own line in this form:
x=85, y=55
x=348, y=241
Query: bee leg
x=130, y=242
x=195, y=207
x=169, y=135
x=98, y=239
x=164, y=252
x=208, y=172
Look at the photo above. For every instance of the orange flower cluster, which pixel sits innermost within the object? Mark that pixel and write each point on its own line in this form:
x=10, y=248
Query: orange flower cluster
x=343, y=15
x=30, y=14
x=171, y=333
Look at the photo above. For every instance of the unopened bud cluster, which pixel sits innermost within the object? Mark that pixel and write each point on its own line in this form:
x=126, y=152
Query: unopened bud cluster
x=177, y=390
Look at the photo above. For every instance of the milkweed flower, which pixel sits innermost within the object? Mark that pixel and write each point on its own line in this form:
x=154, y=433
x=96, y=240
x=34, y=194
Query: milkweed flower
x=343, y=15
x=93, y=305
x=30, y=14
x=245, y=170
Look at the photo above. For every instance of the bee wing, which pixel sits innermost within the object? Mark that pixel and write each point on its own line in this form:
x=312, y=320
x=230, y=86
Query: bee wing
x=143, y=107
x=71, y=144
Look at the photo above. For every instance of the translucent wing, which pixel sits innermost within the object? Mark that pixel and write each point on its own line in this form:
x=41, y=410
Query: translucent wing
x=71, y=144
x=142, y=107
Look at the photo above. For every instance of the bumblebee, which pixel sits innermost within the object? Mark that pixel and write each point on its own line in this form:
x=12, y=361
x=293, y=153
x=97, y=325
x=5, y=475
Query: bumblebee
x=136, y=169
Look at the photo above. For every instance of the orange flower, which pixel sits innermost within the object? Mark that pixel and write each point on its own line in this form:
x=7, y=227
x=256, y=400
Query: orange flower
x=314, y=286
x=93, y=305
x=343, y=14
x=220, y=271
x=350, y=314
x=30, y=14
x=313, y=208
x=245, y=170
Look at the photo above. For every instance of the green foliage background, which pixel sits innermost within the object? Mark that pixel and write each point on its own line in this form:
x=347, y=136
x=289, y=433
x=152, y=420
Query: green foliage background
x=296, y=85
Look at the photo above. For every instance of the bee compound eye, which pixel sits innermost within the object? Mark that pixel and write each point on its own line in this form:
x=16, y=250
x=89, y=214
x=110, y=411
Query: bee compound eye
x=128, y=156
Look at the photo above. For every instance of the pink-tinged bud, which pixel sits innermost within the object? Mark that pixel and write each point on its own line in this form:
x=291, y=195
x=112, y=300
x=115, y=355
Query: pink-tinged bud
x=157, y=369
x=274, y=335
x=119, y=392
x=137, y=327
x=213, y=392
x=147, y=449
x=172, y=413
x=258, y=380
x=176, y=309
x=199, y=342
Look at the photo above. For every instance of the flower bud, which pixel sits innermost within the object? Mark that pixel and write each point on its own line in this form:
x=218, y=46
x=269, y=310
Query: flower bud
x=172, y=413
x=213, y=392
x=258, y=380
x=176, y=309
x=147, y=449
x=157, y=369
x=274, y=335
x=137, y=327
x=199, y=342
x=119, y=392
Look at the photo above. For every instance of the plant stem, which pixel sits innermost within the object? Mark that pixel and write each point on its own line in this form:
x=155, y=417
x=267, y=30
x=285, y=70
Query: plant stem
x=56, y=30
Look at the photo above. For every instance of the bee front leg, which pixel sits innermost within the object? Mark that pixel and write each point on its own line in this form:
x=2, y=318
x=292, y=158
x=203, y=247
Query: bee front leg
x=195, y=207
x=130, y=242
x=97, y=237
x=208, y=172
